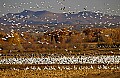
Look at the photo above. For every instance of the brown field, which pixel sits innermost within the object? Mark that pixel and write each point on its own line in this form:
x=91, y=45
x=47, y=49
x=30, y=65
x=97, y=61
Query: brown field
x=90, y=73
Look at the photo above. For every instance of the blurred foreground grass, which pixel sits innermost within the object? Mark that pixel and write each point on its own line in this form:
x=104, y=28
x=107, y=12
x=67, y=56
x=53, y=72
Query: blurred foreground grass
x=90, y=73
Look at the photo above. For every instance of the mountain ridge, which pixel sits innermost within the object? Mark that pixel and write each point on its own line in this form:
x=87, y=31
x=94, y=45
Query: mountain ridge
x=46, y=17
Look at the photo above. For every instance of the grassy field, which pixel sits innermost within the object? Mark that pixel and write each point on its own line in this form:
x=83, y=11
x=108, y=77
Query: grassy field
x=91, y=73
x=6, y=72
x=61, y=52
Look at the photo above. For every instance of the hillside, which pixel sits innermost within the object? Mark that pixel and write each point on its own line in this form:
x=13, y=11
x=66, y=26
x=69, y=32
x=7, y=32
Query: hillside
x=46, y=17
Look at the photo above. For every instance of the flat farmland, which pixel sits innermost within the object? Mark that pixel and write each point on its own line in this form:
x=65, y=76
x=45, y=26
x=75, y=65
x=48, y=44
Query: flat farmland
x=91, y=73
x=57, y=65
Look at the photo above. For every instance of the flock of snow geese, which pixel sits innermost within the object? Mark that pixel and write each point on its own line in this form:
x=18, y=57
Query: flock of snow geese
x=103, y=62
x=101, y=59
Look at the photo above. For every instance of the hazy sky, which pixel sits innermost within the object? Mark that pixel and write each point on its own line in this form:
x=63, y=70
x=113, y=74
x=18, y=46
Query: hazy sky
x=105, y=6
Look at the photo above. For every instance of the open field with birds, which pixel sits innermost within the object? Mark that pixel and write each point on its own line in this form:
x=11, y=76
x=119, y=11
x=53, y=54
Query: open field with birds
x=60, y=54
x=59, y=38
x=60, y=66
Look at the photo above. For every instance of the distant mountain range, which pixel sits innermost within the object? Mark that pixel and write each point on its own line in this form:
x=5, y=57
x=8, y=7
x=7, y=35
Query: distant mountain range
x=45, y=17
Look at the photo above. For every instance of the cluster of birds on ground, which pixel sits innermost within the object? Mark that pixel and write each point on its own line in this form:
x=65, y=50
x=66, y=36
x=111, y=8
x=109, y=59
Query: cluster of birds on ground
x=102, y=59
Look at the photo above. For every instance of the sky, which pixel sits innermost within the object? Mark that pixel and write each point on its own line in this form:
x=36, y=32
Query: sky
x=60, y=6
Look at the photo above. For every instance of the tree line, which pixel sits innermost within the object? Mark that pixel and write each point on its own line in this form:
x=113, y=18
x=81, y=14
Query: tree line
x=59, y=39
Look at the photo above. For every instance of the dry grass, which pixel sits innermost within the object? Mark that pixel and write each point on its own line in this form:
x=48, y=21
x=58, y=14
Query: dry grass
x=91, y=73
